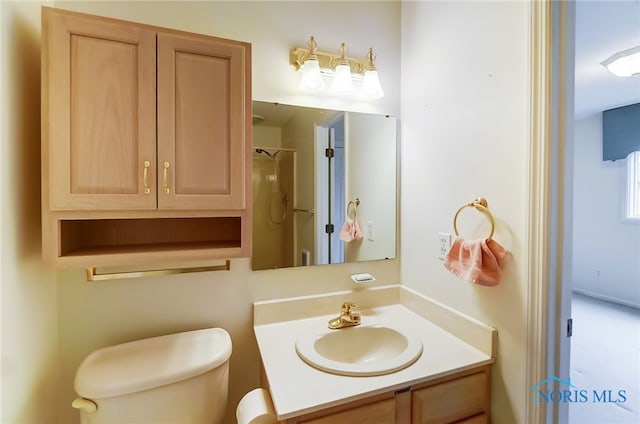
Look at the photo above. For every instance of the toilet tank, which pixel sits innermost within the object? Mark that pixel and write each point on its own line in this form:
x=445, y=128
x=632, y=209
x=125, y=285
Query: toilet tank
x=177, y=378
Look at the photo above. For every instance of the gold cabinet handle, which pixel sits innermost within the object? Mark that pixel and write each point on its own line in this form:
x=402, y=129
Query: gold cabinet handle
x=145, y=177
x=166, y=183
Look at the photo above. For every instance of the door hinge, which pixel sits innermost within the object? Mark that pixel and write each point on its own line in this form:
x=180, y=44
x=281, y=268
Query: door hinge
x=328, y=228
x=329, y=152
x=570, y=327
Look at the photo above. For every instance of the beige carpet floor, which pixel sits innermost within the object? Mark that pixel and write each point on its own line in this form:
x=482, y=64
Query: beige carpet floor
x=605, y=355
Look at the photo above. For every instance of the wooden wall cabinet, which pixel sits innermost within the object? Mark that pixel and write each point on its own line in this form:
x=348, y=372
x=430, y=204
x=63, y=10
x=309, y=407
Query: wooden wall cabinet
x=463, y=398
x=146, y=137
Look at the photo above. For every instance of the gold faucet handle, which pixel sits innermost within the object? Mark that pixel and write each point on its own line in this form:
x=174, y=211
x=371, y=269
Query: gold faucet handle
x=348, y=307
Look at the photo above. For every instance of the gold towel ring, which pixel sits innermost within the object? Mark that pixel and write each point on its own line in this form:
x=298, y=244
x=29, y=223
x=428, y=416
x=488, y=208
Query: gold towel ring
x=480, y=204
x=355, y=203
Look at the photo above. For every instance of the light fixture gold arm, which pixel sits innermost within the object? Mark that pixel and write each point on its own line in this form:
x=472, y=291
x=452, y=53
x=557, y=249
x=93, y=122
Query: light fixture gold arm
x=342, y=60
x=313, y=46
x=298, y=55
x=371, y=56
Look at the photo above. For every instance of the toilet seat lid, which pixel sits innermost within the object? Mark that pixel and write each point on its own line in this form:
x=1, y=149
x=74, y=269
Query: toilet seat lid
x=145, y=364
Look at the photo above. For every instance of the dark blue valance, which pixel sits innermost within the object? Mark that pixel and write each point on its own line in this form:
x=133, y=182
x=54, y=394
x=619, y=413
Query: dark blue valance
x=620, y=131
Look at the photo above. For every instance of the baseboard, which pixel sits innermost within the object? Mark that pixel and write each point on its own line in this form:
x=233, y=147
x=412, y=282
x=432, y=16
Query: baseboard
x=607, y=298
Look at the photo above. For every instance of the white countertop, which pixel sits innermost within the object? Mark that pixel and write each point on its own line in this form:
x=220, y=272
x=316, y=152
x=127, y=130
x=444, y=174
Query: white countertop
x=297, y=388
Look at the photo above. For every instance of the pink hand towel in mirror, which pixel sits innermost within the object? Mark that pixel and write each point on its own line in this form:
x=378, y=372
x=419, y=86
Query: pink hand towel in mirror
x=350, y=230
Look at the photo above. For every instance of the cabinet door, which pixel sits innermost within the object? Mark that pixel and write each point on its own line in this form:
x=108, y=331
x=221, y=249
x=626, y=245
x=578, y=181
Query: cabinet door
x=452, y=401
x=99, y=90
x=202, y=114
x=383, y=412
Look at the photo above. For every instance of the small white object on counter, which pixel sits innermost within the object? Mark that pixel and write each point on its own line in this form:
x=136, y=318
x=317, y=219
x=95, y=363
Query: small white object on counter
x=363, y=278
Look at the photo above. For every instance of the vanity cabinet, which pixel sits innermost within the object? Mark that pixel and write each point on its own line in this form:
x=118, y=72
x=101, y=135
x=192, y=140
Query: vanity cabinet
x=146, y=137
x=382, y=411
x=464, y=397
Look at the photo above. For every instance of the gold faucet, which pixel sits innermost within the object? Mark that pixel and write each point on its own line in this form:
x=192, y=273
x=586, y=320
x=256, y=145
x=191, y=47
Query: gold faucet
x=348, y=317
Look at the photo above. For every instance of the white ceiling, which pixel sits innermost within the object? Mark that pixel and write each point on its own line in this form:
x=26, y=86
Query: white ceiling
x=602, y=29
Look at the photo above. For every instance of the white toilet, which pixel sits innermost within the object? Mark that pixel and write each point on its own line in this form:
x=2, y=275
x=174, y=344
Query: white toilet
x=178, y=378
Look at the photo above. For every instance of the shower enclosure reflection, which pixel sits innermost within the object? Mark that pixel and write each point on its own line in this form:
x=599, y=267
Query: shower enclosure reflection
x=273, y=190
x=309, y=168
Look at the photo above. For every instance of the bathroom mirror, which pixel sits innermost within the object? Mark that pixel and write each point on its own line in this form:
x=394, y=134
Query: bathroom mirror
x=324, y=186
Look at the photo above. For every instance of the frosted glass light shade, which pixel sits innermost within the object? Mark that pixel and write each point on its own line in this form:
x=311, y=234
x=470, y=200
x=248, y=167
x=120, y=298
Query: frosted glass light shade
x=625, y=63
x=311, y=80
x=371, y=88
x=342, y=83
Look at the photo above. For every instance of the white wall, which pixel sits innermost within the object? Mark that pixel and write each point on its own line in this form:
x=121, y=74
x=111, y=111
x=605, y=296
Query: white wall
x=605, y=247
x=465, y=121
x=27, y=291
x=82, y=317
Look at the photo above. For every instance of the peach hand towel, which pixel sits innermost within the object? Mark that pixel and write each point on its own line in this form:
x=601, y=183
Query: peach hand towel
x=350, y=230
x=477, y=261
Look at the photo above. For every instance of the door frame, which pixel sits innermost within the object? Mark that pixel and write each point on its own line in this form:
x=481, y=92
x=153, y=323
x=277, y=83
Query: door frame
x=548, y=347
x=321, y=176
x=324, y=134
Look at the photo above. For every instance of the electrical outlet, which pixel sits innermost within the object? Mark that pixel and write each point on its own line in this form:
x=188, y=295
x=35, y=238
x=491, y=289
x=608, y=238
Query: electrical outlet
x=444, y=244
x=371, y=231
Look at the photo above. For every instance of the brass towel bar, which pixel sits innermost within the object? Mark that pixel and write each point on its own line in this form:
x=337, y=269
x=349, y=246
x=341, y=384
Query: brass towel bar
x=93, y=275
x=480, y=204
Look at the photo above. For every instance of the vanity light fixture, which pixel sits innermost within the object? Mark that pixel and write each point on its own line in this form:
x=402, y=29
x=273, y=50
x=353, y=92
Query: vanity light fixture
x=343, y=71
x=371, y=88
x=625, y=63
x=311, y=80
x=342, y=83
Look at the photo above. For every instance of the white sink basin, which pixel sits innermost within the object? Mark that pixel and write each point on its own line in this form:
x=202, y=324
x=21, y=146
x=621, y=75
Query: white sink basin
x=360, y=351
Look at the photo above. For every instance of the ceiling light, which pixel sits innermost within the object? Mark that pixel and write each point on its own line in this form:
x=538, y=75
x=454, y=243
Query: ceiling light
x=625, y=63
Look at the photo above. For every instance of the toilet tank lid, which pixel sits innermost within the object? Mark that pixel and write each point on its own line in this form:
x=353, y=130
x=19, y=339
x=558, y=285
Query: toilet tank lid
x=149, y=363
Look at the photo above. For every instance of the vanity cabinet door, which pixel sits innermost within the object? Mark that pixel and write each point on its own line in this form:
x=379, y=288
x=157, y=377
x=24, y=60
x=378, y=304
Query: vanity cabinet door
x=201, y=122
x=99, y=87
x=477, y=419
x=465, y=398
x=462, y=398
x=378, y=412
